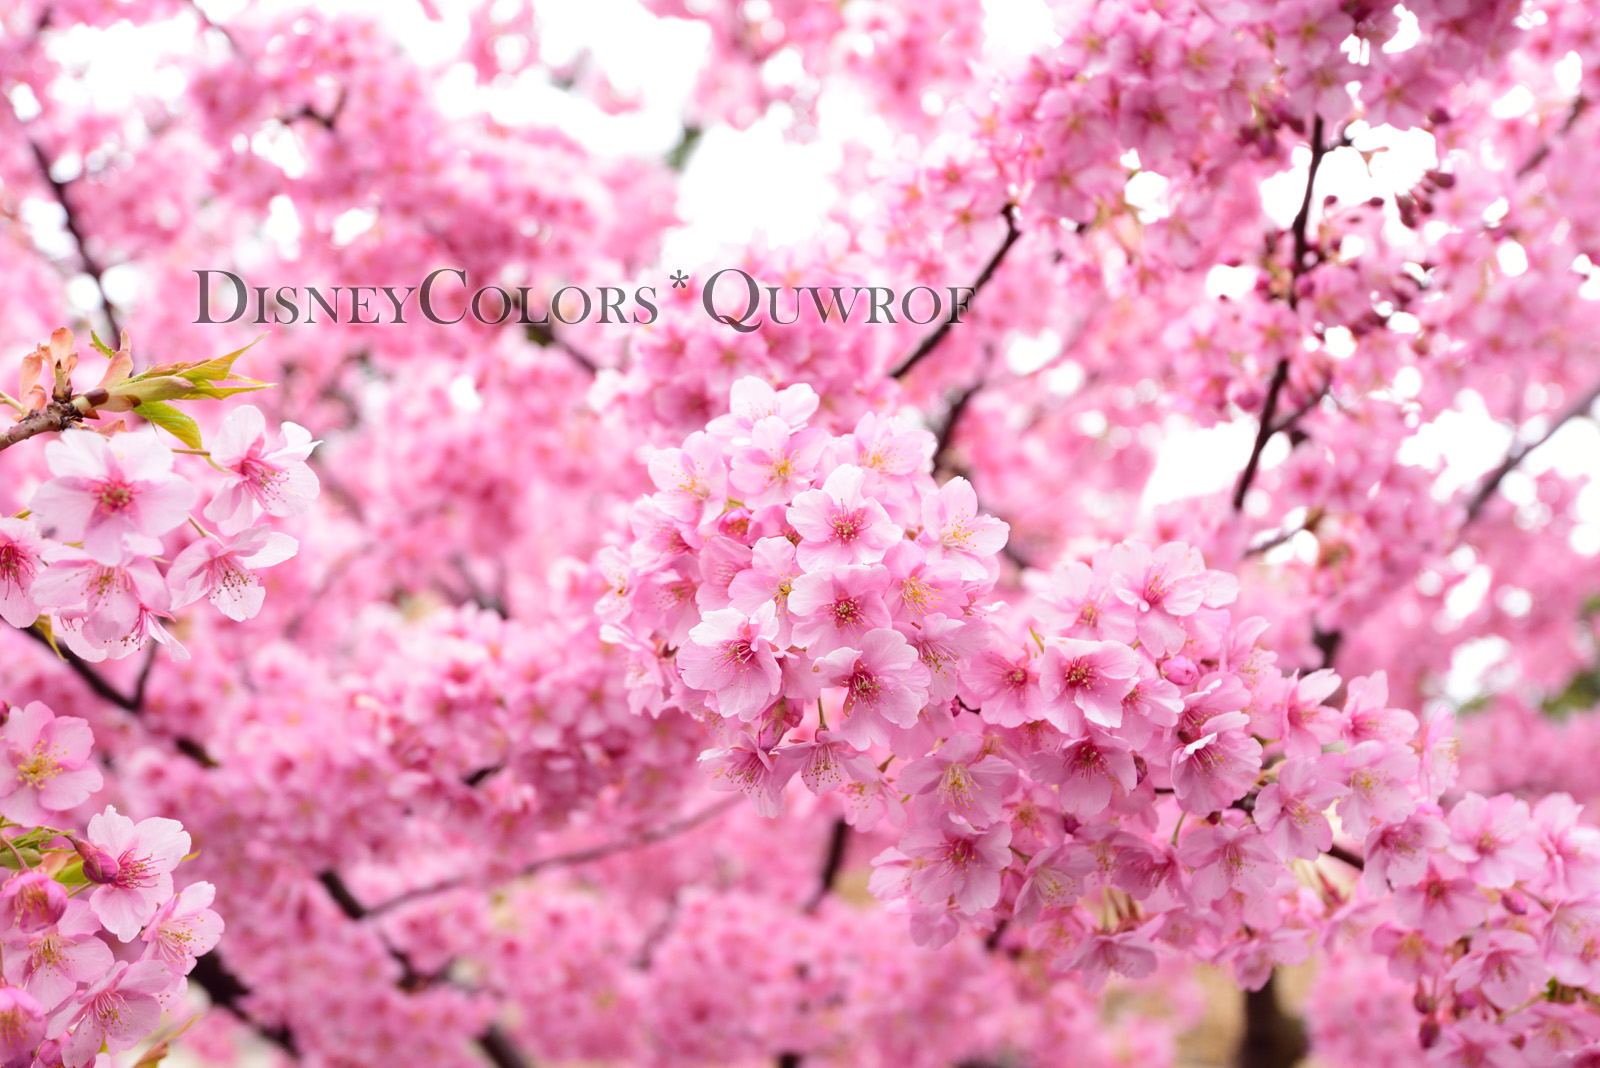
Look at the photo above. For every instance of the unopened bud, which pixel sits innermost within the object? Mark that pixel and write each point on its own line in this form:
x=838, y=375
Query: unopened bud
x=96, y=397
x=1421, y=1001
x=1514, y=902
x=48, y=1055
x=98, y=865
x=1180, y=670
x=1428, y=1033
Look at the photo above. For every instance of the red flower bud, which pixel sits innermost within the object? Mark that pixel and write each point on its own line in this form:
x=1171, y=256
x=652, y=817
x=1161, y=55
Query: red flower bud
x=98, y=865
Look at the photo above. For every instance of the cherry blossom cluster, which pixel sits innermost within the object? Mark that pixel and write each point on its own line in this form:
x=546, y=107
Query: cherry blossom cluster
x=1114, y=765
x=96, y=939
x=82, y=558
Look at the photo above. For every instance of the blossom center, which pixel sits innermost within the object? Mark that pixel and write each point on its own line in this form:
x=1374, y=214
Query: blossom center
x=112, y=496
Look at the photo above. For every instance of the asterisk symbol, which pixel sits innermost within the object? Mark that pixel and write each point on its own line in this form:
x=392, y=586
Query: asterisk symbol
x=679, y=280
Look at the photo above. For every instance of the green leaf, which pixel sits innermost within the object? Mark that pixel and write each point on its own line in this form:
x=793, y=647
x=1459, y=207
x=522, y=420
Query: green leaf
x=216, y=392
x=173, y=422
x=72, y=874
x=100, y=346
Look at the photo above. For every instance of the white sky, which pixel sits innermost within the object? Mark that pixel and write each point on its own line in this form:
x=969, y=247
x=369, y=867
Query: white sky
x=741, y=185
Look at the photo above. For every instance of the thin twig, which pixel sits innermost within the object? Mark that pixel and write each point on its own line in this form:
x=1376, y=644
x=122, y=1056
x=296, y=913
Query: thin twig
x=931, y=342
x=578, y=856
x=1280, y=375
x=91, y=266
x=1579, y=106
x=1516, y=455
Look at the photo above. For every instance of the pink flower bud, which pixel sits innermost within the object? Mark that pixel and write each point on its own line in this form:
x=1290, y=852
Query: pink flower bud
x=1179, y=670
x=32, y=901
x=1421, y=1001
x=1514, y=902
x=49, y=1054
x=98, y=865
x=1428, y=1033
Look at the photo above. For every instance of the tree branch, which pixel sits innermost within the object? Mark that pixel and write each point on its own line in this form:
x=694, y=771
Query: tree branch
x=1516, y=455
x=91, y=266
x=832, y=860
x=931, y=342
x=1579, y=106
x=228, y=993
x=91, y=678
x=579, y=856
x=1280, y=375
x=53, y=419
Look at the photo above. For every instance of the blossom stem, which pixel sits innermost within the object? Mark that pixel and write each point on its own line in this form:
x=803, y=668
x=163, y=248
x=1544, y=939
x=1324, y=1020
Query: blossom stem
x=22, y=865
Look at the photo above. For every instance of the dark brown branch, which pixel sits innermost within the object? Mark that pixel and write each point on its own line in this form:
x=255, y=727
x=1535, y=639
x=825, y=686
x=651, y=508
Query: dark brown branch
x=1339, y=852
x=228, y=993
x=1302, y=219
x=91, y=265
x=91, y=678
x=1272, y=1038
x=832, y=861
x=1280, y=375
x=1517, y=455
x=55, y=418
x=931, y=342
x=500, y=1050
x=325, y=121
x=947, y=429
x=495, y=1043
x=132, y=704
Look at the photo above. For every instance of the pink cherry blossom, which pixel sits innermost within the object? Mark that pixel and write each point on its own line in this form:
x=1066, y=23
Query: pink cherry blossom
x=1290, y=811
x=885, y=685
x=838, y=526
x=1056, y=878
x=777, y=463
x=22, y=1025
x=734, y=656
x=112, y=495
x=953, y=530
x=21, y=559
x=1490, y=836
x=225, y=573
x=838, y=608
x=263, y=476
x=1089, y=772
x=184, y=928
x=1443, y=906
x=146, y=853
x=118, y=1011
x=963, y=864
x=1216, y=769
x=51, y=963
x=46, y=766
x=961, y=779
x=1228, y=858
x=1377, y=774
x=1090, y=677
x=31, y=901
